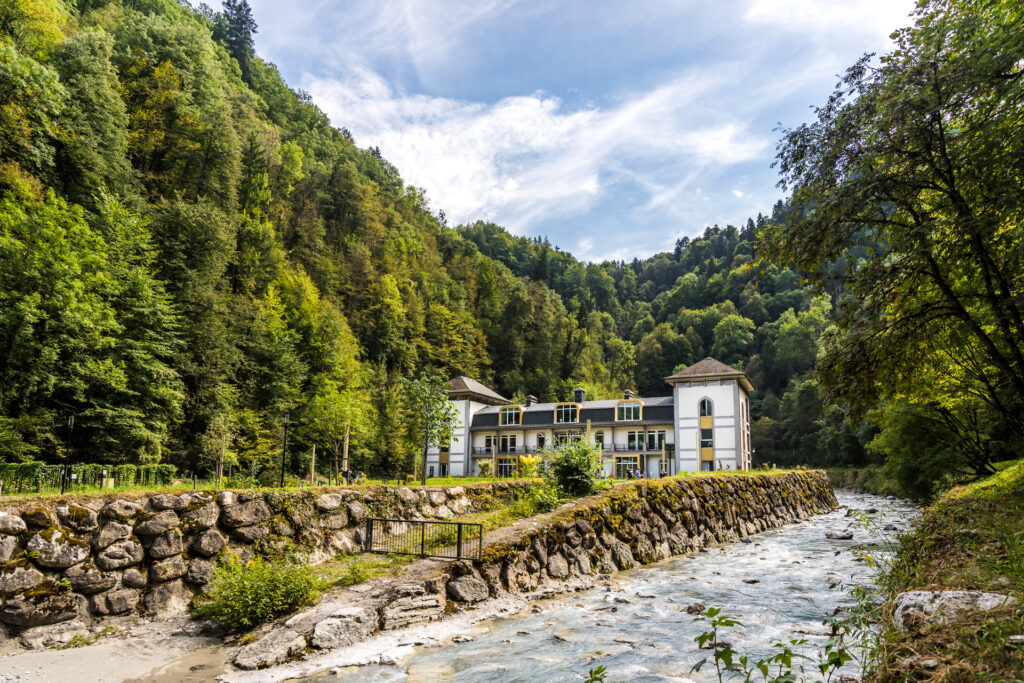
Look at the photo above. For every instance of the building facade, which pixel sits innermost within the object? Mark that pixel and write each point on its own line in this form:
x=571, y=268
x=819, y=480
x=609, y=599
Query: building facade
x=703, y=425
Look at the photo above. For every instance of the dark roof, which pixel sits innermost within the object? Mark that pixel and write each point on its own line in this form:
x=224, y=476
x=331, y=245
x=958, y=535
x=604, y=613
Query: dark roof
x=657, y=409
x=709, y=368
x=465, y=386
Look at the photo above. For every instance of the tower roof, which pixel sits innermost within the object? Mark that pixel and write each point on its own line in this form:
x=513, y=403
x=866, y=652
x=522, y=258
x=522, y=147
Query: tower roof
x=709, y=368
x=463, y=386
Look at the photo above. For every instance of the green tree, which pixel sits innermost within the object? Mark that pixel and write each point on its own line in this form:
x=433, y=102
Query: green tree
x=430, y=410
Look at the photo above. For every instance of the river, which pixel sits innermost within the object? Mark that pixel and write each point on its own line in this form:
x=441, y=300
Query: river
x=781, y=585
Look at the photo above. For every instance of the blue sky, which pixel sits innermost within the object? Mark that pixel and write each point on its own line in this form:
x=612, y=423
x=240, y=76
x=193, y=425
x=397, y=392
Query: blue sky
x=611, y=128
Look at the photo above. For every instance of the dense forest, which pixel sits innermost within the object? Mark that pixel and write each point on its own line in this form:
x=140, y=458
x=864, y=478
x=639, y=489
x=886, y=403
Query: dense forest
x=200, y=268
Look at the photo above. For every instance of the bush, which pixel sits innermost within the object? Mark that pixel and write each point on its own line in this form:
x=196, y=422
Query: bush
x=529, y=466
x=574, y=468
x=245, y=595
x=485, y=468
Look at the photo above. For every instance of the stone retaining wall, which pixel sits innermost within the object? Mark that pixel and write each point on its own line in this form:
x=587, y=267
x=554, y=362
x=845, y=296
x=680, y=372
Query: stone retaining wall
x=628, y=525
x=65, y=562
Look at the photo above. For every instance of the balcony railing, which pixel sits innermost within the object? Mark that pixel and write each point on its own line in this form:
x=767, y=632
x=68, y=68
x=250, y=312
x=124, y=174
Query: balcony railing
x=607, y=448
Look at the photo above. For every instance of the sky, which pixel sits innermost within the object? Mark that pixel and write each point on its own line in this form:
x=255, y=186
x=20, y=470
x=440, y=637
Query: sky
x=611, y=128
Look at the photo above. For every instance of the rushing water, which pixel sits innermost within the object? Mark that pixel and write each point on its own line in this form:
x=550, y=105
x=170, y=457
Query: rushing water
x=636, y=625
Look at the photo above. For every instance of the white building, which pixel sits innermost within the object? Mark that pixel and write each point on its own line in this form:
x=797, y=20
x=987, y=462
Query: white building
x=703, y=425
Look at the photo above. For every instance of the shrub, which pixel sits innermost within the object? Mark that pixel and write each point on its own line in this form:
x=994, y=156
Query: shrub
x=574, y=468
x=529, y=466
x=245, y=595
x=485, y=468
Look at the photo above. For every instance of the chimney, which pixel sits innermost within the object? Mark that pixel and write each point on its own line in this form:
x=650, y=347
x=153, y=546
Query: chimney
x=530, y=400
x=579, y=394
x=628, y=394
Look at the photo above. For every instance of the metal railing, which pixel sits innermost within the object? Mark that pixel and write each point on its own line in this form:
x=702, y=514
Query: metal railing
x=424, y=538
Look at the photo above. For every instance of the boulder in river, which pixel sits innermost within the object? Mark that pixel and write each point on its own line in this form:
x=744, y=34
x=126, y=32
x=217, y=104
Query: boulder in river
x=915, y=607
x=844, y=535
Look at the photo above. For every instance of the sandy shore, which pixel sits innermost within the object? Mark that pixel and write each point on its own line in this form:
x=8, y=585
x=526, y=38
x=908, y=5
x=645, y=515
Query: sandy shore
x=137, y=653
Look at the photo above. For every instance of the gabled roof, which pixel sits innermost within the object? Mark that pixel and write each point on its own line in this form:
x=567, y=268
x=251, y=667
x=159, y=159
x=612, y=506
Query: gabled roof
x=465, y=386
x=709, y=368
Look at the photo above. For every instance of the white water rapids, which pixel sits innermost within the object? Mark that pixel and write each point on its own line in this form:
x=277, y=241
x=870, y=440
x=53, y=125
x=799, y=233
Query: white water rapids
x=635, y=623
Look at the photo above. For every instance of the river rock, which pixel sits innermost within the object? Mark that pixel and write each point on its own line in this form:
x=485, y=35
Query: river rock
x=844, y=535
x=200, y=571
x=165, y=570
x=166, y=545
x=111, y=533
x=326, y=502
x=356, y=512
x=11, y=524
x=169, y=501
x=133, y=578
x=202, y=517
x=158, y=524
x=209, y=543
x=53, y=635
x=50, y=610
x=468, y=589
x=121, y=510
x=55, y=550
x=39, y=517
x=115, y=602
x=248, y=513
x=120, y=555
x=558, y=568
x=415, y=606
x=8, y=544
x=250, y=534
x=87, y=579
x=345, y=626
x=273, y=648
x=167, y=598
x=77, y=517
x=914, y=607
x=20, y=579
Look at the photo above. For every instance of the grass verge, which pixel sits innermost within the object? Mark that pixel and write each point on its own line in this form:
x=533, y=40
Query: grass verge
x=970, y=539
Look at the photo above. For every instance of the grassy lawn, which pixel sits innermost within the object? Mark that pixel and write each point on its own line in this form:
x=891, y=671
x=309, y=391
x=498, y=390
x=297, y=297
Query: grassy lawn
x=970, y=539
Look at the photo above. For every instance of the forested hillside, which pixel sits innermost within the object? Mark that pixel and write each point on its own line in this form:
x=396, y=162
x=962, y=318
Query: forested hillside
x=193, y=261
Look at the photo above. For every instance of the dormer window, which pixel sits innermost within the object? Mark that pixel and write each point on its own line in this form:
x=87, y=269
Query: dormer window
x=627, y=411
x=510, y=416
x=567, y=412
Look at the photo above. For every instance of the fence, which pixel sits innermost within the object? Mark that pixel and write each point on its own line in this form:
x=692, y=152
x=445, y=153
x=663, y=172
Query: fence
x=446, y=540
x=27, y=477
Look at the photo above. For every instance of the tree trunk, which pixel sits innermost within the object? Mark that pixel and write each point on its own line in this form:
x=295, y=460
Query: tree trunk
x=423, y=463
x=312, y=468
x=344, y=457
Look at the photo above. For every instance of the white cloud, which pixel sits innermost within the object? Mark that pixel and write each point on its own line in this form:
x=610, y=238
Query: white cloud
x=875, y=19
x=526, y=159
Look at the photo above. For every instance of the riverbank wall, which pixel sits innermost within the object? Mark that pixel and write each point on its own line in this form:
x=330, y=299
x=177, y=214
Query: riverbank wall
x=628, y=525
x=66, y=562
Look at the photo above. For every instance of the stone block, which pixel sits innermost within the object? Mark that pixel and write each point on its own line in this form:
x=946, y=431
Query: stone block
x=169, y=501
x=166, y=570
x=11, y=524
x=111, y=532
x=121, y=510
x=328, y=501
x=468, y=589
x=77, y=517
x=273, y=648
x=115, y=601
x=120, y=555
x=20, y=579
x=166, y=545
x=202, y=517
x=158, y=524
x=209, y=543
x=344, y=627
x=254, y=511
x=87, y=579
x=54, y=549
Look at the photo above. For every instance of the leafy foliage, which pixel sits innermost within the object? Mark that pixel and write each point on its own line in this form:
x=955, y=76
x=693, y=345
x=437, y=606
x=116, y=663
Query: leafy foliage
x=574, y=468
x=243, y=595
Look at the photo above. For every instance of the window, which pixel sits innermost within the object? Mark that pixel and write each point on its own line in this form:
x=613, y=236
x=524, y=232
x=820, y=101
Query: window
x=705, y=407
x=507, y=443
x=510, y=416
x=567, y=412
x=599, y=439
x=506, y=467
x=707, y=439
x=540, y=440
x=563, y=438
x=430, y=471
x=707, y=466
x=626, y=467
x=444, y=469
x=655, y=440
x=627, y=411
x=634, y=440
